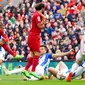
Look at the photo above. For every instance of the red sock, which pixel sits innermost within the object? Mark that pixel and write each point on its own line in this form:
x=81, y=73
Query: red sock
x=29, y=63
x=8, y=49
x=35, y=62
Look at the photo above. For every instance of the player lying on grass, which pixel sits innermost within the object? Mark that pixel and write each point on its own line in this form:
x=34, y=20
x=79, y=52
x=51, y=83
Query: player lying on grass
x=80, y=56
x=44, y=60
x=62, y=71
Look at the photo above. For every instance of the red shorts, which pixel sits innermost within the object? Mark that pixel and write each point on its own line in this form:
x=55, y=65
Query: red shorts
x=34, y=43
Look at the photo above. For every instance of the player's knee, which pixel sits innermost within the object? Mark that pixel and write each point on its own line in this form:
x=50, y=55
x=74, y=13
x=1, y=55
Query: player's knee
x=50, y=69
x=61, y=62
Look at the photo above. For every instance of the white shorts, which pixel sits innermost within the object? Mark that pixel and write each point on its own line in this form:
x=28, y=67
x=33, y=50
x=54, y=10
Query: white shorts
x=2, y=54
x=79, y=56
x=39, y=70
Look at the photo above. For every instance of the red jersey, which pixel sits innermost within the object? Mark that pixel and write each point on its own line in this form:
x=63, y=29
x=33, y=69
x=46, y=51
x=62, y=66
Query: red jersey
x=35, y=30
x=34, y=34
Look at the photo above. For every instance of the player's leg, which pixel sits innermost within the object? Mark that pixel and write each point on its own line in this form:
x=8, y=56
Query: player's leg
x=61, y=66
x=77, y=62
x=35, y=60
x=28, y=66
x=34, y=64
x=52, y=71
x=79, y=70
x=7, y=72
x=74, y=66
x=18, y=70
x=34, y=45
x=29, y=62
x=37, y=75
x=8, y=49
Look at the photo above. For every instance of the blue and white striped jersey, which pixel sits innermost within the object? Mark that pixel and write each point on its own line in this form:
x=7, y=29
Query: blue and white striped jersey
x=45, y=60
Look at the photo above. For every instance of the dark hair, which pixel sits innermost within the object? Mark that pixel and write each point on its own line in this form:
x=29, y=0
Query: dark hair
x=39, y=6
x=45, y=48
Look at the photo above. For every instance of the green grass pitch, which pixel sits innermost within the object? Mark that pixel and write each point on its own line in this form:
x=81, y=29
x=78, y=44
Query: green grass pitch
x=17, y=80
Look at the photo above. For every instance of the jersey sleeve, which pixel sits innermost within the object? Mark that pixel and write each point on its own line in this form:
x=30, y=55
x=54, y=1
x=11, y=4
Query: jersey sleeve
x=49, y=55
x=37, y=19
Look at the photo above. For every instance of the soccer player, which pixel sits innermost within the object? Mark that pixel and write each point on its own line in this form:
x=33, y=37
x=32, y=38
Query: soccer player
x=38, y=21
x=62, y=71
x=80, y=56
x=3, y=42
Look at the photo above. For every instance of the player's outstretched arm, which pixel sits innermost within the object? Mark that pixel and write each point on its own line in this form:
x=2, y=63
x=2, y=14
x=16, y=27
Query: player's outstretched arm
x=61, y=54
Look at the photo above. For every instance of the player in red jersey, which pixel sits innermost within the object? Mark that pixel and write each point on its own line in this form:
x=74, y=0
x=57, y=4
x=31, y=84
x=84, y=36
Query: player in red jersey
x=38, y=21
x=4, y=40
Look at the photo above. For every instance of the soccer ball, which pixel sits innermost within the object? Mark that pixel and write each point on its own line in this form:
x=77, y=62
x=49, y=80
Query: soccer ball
x=60, y=75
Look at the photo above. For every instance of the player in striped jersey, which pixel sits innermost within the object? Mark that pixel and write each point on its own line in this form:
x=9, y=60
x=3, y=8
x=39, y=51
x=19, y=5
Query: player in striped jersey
x=44, y=61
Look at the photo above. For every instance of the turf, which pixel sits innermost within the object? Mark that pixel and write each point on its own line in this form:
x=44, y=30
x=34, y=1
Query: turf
x=17, y=80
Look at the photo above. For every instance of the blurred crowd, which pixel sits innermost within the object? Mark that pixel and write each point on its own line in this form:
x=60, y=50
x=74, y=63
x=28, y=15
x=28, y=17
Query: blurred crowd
x=63, y=29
